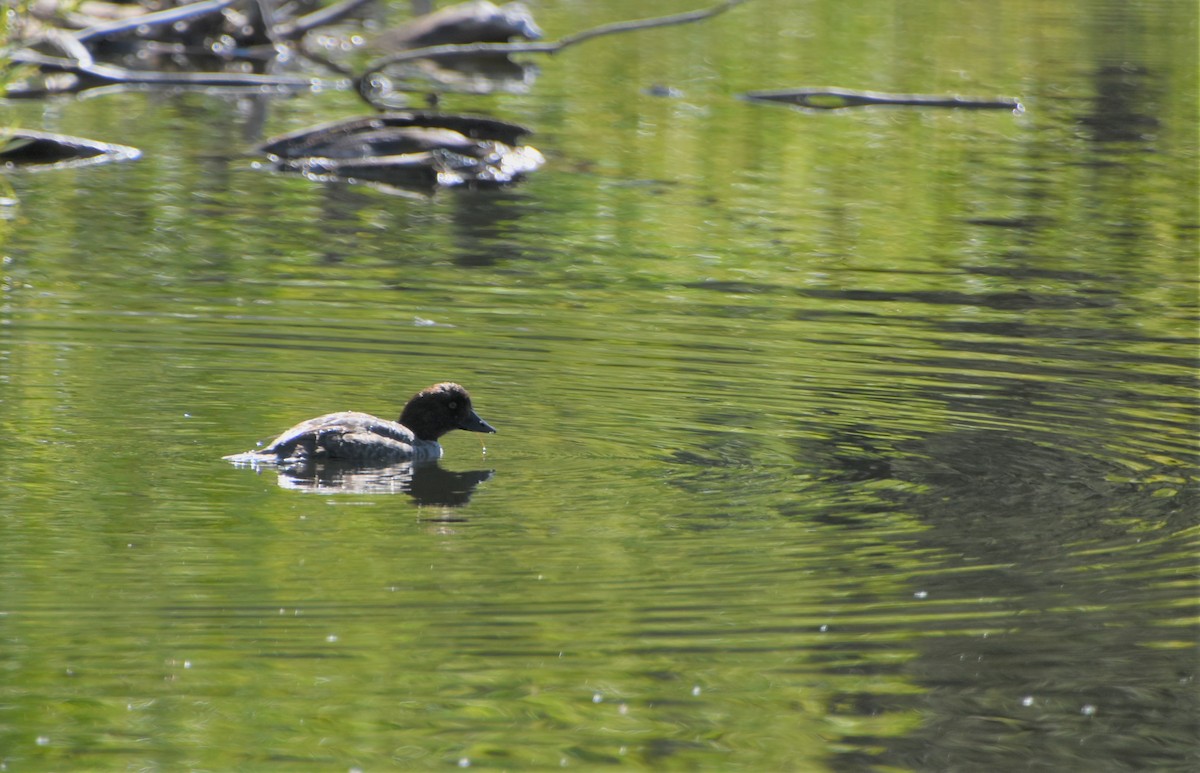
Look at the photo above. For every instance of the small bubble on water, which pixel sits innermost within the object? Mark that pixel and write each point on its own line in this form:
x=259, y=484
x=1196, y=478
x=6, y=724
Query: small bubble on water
x=1088, y=710
x=921, y=594
x=597, y=698
x=623, y=709
x=696, y=690
x=187, y=664
x=823, y=628
x=1027, y=700
x=331, y=638
x=43, y=740
x=464, y=762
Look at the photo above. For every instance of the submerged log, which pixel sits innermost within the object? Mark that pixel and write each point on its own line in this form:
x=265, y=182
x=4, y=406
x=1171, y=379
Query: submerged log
x=837, y=99
x=317, y=140
x=412, y=150
x=34, y=150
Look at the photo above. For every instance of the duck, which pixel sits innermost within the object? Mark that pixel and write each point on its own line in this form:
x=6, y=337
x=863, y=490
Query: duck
x=360, y=438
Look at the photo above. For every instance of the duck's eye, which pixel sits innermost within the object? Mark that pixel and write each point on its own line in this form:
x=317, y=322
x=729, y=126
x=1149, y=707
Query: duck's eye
x=452, y=405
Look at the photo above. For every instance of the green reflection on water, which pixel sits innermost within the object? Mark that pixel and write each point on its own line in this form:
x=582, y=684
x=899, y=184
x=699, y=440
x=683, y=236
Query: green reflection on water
x=826, y=442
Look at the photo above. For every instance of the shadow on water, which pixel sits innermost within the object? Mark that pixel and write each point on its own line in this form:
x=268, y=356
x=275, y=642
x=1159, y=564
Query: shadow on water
x=1075, y=553
x=1054, y=525
x=481, y=224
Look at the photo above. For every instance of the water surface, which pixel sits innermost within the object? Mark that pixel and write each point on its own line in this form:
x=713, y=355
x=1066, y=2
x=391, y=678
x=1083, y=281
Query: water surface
x=862, y=440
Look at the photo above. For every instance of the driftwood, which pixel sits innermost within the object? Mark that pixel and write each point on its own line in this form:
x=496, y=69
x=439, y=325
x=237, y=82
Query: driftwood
x=408, y=151
x=323, y=140
x=93, y=73
x=75, y=52
x=188, y=34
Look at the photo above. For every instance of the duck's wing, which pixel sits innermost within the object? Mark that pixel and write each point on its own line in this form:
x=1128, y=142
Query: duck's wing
x=367, y=447
x=345, y=435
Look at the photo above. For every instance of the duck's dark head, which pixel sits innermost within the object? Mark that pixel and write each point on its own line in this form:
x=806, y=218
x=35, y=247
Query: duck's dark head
x=436, y=410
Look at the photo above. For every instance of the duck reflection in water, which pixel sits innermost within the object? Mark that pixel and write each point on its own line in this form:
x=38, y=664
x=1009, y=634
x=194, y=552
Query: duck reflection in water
x=426, y=482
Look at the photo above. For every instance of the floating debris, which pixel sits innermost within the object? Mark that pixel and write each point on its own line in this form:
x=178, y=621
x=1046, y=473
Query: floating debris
x=663, y=90
x=200, y=45
x=35, y=151
x=409, y=150
x=467, y=73
x=250, y=46
x=474, y=22
x=838, y=99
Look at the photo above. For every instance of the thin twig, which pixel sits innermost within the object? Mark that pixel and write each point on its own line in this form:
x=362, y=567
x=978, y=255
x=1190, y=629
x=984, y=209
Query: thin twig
x=645, y=24
x=109, y=73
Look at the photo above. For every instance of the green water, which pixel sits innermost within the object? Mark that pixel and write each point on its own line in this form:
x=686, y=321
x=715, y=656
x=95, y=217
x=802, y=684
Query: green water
x=847, y=441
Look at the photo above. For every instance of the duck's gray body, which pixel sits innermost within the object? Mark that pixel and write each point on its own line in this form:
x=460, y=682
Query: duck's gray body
x=349, y=436
x=361, y=438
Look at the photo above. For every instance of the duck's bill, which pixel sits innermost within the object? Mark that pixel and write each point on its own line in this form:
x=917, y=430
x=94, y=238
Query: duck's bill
x=473, y=423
